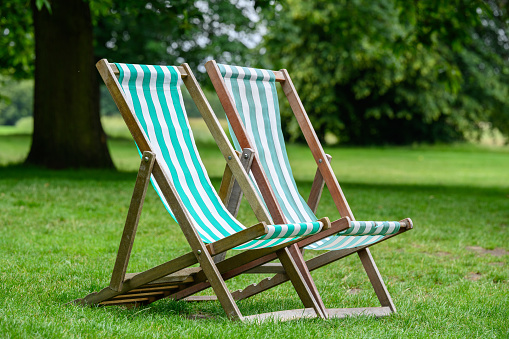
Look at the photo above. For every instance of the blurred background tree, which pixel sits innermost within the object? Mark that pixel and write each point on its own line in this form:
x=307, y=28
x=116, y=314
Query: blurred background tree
x=58, y=42
x=394, y=71
x=368, y=72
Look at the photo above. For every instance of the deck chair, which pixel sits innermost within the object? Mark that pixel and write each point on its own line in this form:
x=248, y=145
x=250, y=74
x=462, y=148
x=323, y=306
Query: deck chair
x=151, y=103
x=250, y=101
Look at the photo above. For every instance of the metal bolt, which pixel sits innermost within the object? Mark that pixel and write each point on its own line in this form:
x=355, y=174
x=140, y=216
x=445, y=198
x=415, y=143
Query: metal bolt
x=199, y=251
x=229, y=157
x=246, y=156
x=145, y=159
x=320, y=160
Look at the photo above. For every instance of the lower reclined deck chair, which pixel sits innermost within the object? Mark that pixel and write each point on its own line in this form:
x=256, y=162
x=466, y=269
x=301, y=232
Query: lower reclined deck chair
x=150, y=101
x=249, y=98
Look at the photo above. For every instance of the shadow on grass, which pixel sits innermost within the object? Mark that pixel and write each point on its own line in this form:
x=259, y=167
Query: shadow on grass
x=20, y=171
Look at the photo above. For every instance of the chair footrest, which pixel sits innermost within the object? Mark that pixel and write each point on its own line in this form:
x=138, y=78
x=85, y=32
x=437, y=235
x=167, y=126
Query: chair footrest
x=144, y=294
x=183, y=276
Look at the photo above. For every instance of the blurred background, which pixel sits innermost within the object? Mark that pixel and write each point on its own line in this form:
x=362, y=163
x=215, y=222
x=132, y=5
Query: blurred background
x=388, y=72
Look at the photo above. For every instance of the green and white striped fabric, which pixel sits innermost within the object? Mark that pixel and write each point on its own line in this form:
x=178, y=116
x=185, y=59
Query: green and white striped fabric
x=254, y=93
x=153, y=94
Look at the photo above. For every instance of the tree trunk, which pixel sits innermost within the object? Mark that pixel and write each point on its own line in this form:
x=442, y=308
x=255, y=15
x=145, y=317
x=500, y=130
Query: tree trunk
x=67, y=126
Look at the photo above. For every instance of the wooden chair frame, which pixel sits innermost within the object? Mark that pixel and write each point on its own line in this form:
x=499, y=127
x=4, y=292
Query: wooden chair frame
x=175, y=278
x=324, y=176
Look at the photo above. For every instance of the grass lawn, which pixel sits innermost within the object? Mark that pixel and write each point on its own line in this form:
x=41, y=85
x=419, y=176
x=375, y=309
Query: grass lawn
x=449, y=277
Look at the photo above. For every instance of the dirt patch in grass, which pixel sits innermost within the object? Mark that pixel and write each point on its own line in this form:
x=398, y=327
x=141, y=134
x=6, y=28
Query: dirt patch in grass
x=497, y=252
x=354, y=291
x=473, y=276
x=498, y=263
x=442, y=254
x=199, y=316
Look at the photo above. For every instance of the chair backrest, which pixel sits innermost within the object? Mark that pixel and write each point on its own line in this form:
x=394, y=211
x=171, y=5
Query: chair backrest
x=153, y=95
x=255, y=96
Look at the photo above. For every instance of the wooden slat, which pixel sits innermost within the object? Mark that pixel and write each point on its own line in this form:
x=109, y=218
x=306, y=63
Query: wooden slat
x=238, y=238
x=201, y=298
x=141, y=279
x=157, y=288
x=131, y=295
x=182, y=276
x=267, y=268
x=124, y=301
x=131, y=223
x=336, y=313
x=317, y=189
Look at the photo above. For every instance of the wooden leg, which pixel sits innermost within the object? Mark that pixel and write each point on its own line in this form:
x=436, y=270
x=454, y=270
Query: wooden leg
x=301, y=264
x=234, y=196
x=131, y=223
x=316, y=190
x=301, y=280
x=226, y=184
x=218, y=285
x=376, y=279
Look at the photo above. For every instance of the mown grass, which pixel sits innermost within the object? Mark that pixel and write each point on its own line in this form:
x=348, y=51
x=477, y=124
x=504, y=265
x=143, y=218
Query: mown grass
x=60, y=232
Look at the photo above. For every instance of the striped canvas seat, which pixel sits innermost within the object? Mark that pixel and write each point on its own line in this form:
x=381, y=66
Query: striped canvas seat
x=153, y=93
x=255, y=97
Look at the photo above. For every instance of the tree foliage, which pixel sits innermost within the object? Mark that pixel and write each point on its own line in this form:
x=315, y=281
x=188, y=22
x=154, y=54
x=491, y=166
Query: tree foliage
x=395, y=71
x=156, y=32
x=18, y=102
x=67, y=131
x=173, y=32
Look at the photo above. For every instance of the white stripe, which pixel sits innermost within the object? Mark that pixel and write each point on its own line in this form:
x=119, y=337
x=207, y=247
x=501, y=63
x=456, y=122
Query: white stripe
x=347, y=240
x=297, y=229
x=156, y=148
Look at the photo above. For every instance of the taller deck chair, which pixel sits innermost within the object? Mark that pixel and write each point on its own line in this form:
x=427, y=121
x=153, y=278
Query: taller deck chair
x=250, y=101
x=150, y=101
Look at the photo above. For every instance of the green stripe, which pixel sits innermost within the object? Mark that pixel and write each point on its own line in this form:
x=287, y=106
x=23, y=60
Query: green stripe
x=174, y=140
x=161, y=143
x=199, y=169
